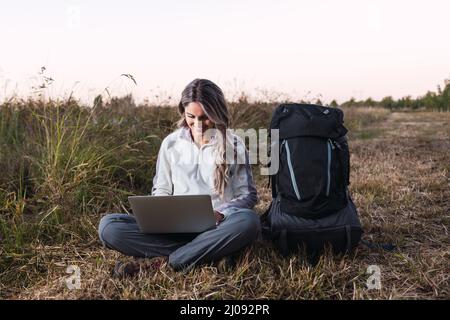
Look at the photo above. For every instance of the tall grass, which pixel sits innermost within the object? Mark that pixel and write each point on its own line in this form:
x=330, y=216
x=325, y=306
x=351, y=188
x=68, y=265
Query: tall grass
x=63, y=165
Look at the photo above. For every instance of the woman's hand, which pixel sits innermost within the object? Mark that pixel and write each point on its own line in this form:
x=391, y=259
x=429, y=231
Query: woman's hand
x=219, y=217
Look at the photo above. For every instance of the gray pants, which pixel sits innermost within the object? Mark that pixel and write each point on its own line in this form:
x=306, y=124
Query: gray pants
x=185, y=250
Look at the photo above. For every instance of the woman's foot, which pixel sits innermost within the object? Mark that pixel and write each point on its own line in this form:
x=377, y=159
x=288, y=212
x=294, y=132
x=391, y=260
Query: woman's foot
x=225, y=264
x=133, y=266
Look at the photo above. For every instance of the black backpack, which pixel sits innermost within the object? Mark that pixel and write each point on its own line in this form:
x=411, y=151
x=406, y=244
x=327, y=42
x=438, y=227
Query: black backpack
x=311, y=206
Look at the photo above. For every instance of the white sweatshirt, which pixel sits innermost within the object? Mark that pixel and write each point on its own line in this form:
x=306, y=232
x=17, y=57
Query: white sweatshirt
x=185, y=168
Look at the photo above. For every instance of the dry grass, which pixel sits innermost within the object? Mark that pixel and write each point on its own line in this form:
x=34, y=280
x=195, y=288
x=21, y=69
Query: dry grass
x=400, y=183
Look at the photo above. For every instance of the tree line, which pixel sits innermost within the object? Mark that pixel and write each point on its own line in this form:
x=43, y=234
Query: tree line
x=436, y=101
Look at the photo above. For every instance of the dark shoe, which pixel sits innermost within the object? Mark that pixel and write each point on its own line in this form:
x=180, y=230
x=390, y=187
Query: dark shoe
x=134, y=266
x=225, y=264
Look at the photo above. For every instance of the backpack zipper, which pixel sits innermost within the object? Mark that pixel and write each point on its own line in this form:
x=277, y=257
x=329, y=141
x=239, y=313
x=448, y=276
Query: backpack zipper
x=291, y=170
x=329, y=147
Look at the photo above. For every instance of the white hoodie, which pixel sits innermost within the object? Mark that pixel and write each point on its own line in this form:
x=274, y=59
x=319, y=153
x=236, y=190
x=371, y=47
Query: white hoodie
x=185, y=168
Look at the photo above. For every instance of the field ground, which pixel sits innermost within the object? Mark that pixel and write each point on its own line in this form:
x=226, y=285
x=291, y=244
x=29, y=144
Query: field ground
x=400, y=182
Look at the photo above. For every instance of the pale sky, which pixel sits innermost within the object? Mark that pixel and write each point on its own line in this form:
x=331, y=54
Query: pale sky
x=339, y=49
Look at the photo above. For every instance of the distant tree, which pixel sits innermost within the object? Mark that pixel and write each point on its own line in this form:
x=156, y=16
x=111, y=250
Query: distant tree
x=445, y=100
x=350, y=103
x=405, y=103
x=430, y=101
x=334, y=104
x=369, y=102
x=388, y=102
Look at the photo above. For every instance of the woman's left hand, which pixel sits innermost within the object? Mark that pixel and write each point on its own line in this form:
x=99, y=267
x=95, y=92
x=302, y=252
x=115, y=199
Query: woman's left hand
x=219, y=217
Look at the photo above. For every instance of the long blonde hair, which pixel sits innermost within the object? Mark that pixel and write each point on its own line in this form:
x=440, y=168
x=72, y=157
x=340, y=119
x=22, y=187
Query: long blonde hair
x=213, y=103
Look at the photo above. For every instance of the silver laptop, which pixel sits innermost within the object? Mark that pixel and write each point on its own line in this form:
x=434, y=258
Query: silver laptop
x=173, y=214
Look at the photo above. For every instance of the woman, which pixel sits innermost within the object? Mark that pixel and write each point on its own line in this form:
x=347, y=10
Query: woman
x=194, y=160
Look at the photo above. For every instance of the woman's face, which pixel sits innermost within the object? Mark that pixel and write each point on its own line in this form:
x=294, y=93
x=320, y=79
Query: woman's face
x=196, y=119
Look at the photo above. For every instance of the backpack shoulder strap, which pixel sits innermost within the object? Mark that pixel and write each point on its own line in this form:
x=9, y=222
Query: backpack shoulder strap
x=273, y=185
